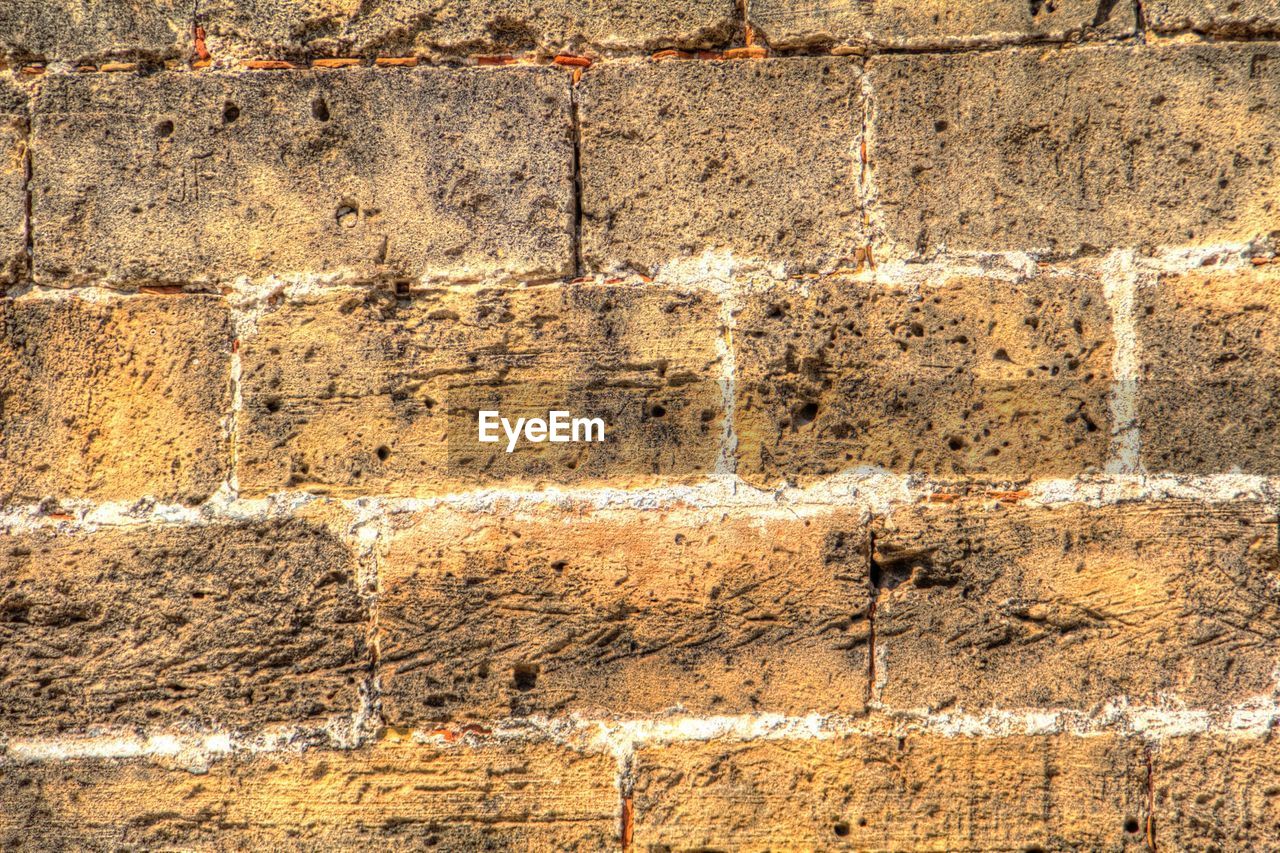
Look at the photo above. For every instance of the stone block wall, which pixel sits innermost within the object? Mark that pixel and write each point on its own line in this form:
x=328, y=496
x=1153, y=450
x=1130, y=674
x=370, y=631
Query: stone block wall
x=937, y=346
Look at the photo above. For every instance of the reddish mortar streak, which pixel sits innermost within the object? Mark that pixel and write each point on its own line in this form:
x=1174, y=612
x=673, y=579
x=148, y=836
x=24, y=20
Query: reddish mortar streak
x=628, y=822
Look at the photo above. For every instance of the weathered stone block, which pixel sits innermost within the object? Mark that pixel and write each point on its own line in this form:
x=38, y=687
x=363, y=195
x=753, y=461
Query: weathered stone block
x=391, y=796
x=924, y=792
x=361, y=391
x=626, y=612
x=282, y=28
x=1218, y=792
x=114, y=400
x=87, y=30
x=754, y=159
x=1073, y=606
x=968, y=378
x=221, y=625
x=1229, y=18
x=204, y=177
x=934, y=23
x=1208, y=375
x=1042, y=150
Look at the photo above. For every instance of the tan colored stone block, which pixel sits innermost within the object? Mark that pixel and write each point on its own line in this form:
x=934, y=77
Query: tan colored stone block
x=1069, y=607
x=77, y=31
x=934, y=23
x=921, y=792
x=1043, y=149
x=391, y=796
x=755, y=159
x=281, y=28
x=1218, y=17
x=1217, y=792
x=219, y=625
x=1208, y=375
x=204, y=177
x=360, y=391
x=114, y=400
x=622, y=612
x=971, y=377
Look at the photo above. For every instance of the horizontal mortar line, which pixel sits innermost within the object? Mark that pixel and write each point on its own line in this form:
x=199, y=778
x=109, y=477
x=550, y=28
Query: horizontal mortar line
x=720, y=273
x=1255, y=717
x=836, y=48
x=872, y=491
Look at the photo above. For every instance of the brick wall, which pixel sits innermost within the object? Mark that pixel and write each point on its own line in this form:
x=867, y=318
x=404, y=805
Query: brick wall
x=938, y=346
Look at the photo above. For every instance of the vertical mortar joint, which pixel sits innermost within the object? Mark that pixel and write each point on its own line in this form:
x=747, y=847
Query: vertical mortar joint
x=575, y=235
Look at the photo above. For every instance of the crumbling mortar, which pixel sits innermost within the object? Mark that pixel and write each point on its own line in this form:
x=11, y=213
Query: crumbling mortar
x=622, y=737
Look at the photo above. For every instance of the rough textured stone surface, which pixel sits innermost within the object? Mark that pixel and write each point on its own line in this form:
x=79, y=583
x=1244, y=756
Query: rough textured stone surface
x=1072, y=606
x=1208, y=375
x=280, y=28
x=220, y=625
x=916, y=793
x=934, y=23
x=1218, y=792
x=623, y=612
x=1219, y=17
x=199, y=177
x=87, y=30
x=114, y=400
x=757, y=159
x=360, y=392
x=970, y=377
x=1041, y=149
x=13, y=183
x=391, y=796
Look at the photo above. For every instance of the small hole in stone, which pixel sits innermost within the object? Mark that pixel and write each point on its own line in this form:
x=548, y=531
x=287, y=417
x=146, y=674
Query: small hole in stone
x=1131, y=826
x=164, y=129
x=862, y=821
x=320, y=110
x=383, y=452
x=658, y=411
x=347, y=217
x=940, y=126
x=525, y=675
x=559, y=566
x=955, y=443
x=273, y=404
x=230, y=113
x=841, y=829
x=805, y=415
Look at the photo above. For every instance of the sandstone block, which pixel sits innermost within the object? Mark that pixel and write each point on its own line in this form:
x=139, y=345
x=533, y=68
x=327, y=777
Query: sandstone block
x=754, y=159
x=361, y=391
x=396, y=796
x=1231, y=18
x=927, y=793
x=1218, y=792
x=970, y=378
x=221, y=625
x=204, y=177
x=114, y=400
x=1073, y=606
x=77, y=31
x=282, y=28
x=935, y=23
x=1042, y=150
x=624, y=612
x=1208, y=374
